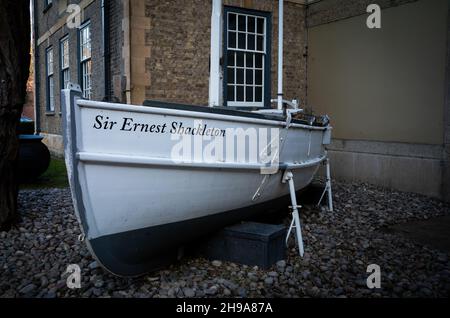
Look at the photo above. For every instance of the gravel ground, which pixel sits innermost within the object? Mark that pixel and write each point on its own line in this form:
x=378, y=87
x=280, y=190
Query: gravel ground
x=339, y=246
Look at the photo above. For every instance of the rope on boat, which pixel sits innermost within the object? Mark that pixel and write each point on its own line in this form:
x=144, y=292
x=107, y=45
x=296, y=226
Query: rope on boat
x=266, y=178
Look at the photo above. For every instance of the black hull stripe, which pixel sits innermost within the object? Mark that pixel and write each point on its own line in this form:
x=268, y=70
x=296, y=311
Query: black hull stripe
x=137, y=252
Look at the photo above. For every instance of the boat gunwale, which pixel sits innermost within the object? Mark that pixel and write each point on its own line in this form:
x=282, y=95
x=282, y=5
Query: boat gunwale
x=194, y=113
x=121, y=159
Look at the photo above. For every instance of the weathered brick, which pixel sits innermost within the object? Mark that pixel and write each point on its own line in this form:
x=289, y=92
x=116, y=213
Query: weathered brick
x=180, y=48
x=53, y=16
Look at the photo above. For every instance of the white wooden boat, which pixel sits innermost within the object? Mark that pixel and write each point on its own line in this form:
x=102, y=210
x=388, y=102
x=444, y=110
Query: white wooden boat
x=137, y=202
x=146, y=180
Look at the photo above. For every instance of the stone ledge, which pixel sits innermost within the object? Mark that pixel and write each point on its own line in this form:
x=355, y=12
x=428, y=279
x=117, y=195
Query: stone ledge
x=400, y=149
x=409, y=174
x=55, y=144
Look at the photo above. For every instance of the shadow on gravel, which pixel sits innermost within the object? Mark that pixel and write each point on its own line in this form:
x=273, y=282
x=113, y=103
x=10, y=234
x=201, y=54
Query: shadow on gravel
x=434, y=232
x=307, y=197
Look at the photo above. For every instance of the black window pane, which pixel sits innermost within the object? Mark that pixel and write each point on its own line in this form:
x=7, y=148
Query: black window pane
x=240, y=76
x=250, y=42
x=249, y=77
x=260, y=25
x=258, y=94
x=249, y=59
x=240, y=58
x=249, y=94
x=240, y=93
x=242, y=23
x=258, y=60
x=232, y=39
x=230, y=93
x=260, y=43
x=230, y=75
x=232, y=21
x=241, y=41
x=258, y=77
x=251, y=24
x=230, y=58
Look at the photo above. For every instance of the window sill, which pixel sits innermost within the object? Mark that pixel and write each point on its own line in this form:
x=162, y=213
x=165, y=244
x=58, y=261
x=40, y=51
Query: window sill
x=49, y=113
x=47, y=7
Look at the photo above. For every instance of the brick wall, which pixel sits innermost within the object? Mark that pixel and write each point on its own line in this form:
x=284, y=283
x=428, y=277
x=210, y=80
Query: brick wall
x=175, y=51
x=51, y=122
x=115, y=38
x=170, y=46
x=174, y=37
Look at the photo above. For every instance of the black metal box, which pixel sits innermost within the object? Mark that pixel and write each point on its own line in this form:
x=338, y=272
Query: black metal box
x=247, y=243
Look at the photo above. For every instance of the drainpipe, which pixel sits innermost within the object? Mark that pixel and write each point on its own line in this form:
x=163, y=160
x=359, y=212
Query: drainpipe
x=216, y=40
x=37, y=113
x=306, y=56
x=126, y=51
x=280, y=54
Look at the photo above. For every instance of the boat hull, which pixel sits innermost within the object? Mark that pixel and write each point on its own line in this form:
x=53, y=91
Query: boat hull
x=141, y=191
x=139, y=251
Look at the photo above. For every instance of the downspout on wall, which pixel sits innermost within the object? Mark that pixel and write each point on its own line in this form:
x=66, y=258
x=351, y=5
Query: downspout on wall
x=445, y=187
x=304, y=104
x=37, y=112
x=280, y=53
x=216, y=47
x=126, y=49
x=105, y=45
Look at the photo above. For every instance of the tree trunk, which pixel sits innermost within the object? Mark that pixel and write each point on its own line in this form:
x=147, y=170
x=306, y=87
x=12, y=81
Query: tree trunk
x=14, y=69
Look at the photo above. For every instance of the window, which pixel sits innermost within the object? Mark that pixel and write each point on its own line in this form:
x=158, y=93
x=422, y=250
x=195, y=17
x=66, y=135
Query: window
x=65, y=71
x=85, y=61
x=247, y=58
x=50, y=81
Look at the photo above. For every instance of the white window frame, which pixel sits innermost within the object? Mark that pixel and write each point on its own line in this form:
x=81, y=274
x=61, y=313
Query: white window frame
x=85, y=60
x=65, y=62
x=49, y=60
x=233, y=102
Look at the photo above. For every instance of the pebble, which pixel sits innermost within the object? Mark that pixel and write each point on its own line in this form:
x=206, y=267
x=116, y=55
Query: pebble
x=28, y=289
x=93, y=265
x=281, y=265
x=338, y=247
x=268, y=281
x=44, y=281
x=212, y=291
x=188, y=292
x=217, y=263
x=99, y=283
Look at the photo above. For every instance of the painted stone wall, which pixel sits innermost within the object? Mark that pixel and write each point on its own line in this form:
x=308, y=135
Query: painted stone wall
x=386, y=84
x=384, y=91
x=327, y=11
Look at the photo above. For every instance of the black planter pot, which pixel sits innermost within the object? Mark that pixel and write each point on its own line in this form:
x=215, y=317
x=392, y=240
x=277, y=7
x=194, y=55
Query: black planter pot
x=34, y=157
